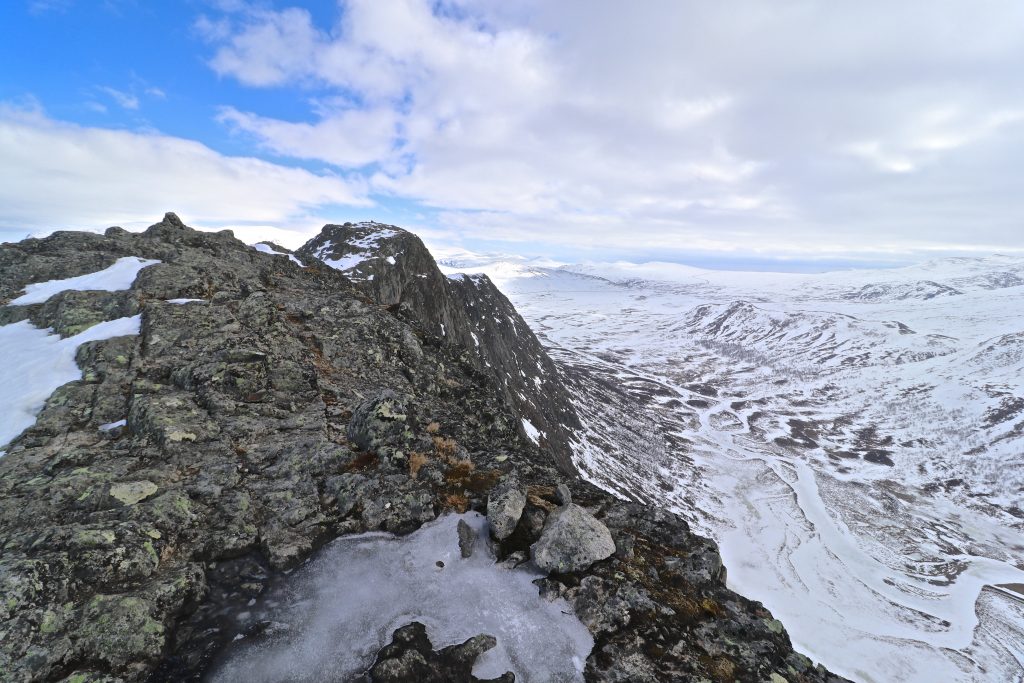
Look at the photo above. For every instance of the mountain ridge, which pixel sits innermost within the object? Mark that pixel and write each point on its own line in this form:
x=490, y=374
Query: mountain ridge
x=262, y=409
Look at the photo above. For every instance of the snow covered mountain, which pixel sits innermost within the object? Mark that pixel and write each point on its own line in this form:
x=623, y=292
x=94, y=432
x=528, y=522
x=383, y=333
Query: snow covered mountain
x=853, y=440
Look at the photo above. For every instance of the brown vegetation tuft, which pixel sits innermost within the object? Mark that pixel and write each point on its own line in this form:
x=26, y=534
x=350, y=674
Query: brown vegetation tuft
x=445, y=447
x=455, y=501
x=416, y=461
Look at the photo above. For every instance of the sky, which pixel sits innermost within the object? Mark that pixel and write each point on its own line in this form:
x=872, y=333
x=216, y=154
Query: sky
x=798, y=132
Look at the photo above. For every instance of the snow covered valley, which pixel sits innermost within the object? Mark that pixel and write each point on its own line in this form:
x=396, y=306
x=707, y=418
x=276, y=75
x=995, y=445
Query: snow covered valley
x=854, y=441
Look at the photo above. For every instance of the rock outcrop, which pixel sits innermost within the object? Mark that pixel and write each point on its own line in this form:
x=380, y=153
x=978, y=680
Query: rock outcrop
x=278, y=408
x=411, y=657
x=394, y=268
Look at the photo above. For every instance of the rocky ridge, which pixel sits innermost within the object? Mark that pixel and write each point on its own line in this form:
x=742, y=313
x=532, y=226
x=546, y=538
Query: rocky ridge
x=466, y=312
x=285, y=408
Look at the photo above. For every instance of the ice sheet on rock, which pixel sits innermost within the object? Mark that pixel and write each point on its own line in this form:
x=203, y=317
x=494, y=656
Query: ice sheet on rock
x=180, y=302
x=267, y=249
x=36, y=362
x=342, y=607
x=117, y=277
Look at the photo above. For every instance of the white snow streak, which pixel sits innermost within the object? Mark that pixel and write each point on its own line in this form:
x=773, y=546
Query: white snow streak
x=118, y=276
x=36, y=362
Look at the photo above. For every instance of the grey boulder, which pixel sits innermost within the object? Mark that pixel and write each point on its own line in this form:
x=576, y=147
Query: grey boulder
x=505, y=507
x=572, y=540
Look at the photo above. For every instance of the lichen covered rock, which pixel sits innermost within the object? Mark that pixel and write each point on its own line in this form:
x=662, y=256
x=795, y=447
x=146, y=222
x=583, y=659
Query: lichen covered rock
x=505, y=506
x=572, y=540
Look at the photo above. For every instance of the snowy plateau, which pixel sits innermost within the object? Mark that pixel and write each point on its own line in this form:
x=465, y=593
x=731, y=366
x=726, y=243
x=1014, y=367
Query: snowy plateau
x=853, y=440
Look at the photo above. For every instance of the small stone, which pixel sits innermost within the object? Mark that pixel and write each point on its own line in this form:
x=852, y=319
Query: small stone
x=440, y=564
x=467, y=538
x=563, y=495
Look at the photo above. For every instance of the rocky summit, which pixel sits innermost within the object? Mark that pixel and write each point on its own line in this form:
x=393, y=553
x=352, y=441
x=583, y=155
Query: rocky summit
x=265, y=403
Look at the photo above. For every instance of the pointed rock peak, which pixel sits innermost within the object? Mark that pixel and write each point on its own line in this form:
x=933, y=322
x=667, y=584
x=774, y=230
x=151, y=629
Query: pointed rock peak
x=171, y=218
x=169, y=226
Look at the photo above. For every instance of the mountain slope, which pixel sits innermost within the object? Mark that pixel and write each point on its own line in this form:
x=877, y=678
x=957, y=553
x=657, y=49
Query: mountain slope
x=857, y=458
x=260, y=409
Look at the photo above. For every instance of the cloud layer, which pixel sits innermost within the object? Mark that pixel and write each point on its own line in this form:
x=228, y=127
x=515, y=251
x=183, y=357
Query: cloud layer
x=795, y=127
x=57, y=174
x=673, y=129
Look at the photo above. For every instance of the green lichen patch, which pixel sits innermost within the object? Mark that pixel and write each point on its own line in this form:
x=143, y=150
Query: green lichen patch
x=131, y=492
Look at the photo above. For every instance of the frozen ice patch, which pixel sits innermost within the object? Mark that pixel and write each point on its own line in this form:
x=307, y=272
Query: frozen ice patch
x=37, y=362
x=113, y=425
x=179, y=302
x=341, y=608
x=117, y=277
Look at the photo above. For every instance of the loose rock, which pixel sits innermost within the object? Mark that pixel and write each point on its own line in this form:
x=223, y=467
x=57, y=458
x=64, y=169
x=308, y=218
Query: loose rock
x=505, y=507
x=572, y=540
x=467, y=538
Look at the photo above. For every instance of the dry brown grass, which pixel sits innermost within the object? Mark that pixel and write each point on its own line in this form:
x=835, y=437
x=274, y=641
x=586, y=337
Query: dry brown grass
x=445, y=447
x=416, y=461
x=363, y=461
x=433, y=428
x=456, y=501
x=722, y=669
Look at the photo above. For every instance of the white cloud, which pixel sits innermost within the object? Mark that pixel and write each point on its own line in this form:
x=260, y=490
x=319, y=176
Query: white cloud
x=123, y=99
x=54, y=174
x=753, y=126
x=775, y=127
x=348, y=137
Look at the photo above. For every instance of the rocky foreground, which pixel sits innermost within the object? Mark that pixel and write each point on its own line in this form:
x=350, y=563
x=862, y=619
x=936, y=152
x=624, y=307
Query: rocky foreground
x=292, y=403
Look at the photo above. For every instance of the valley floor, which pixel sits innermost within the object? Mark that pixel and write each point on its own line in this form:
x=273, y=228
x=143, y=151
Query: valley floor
x=852, y=440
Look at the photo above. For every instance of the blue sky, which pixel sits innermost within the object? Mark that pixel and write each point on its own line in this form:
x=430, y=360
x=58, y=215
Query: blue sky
x=792, y=135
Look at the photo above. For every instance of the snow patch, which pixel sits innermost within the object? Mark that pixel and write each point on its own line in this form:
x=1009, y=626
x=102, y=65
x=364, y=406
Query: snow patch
x=532, y=432
x=180, y=302
x=113, y=425
x=36, y=362
x=267, y=249
x=117, y=277
x=338, y=610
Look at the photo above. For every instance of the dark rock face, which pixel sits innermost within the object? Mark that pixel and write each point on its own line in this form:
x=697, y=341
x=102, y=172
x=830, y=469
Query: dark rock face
x=280, y=412
x=411, y=657
x=395, y=269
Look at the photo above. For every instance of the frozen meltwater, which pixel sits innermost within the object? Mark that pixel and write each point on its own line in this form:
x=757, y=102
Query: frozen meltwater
x=335, y=613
